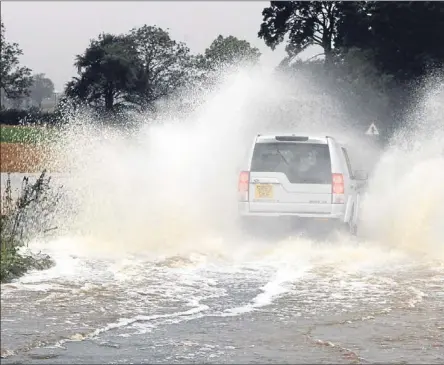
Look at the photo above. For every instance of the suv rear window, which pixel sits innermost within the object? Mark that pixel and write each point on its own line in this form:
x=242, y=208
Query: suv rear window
x=302, y=163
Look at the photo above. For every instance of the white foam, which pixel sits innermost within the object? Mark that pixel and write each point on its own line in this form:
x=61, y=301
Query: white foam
x=271, y=291
x=125, y=322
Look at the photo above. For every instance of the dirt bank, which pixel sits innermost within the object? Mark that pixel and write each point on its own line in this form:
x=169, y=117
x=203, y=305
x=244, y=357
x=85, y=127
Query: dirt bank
x=18, y=157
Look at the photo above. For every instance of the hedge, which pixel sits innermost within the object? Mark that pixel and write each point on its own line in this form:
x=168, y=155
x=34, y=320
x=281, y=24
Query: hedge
x=28, y=117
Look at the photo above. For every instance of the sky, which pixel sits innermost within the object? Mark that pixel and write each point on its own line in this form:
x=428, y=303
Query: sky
x=52, y=33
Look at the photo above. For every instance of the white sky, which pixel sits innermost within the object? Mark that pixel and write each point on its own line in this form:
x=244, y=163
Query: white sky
x=52, y=33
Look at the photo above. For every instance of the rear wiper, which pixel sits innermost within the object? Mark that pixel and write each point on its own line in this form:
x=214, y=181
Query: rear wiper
x=280, y=153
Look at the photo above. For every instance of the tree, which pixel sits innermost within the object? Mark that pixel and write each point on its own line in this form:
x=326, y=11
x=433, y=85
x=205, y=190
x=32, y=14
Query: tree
x=378, y=52
x=165, y=66
x=307, y=23
x=133, y=70
x=41, y=88
x=353, y=26
x=14, y=79
x=229, y=51
x=406, y=37
x=107, y=73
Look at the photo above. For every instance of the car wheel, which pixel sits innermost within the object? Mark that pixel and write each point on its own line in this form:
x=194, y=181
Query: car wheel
x=353, y=227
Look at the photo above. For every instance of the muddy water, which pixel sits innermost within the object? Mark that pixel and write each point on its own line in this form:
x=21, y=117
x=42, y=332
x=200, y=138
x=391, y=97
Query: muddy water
x=204, y=298
x=188, y=295
x=292, y=301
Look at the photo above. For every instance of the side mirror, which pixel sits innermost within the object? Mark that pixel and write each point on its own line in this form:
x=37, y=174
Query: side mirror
x=360, y=175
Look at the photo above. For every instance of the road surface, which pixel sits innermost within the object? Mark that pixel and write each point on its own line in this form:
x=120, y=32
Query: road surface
x=292, y=301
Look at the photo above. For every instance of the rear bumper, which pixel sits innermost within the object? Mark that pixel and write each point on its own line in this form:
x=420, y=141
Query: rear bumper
x=280, y=226
x=275, y=223
x=337, y=213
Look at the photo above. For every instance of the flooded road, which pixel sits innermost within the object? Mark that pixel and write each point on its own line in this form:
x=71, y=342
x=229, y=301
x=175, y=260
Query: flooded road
x=292, y=301
x=148, y=270
x=176, y=292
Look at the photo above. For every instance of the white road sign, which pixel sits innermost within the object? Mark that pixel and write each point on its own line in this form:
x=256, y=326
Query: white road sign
x=372, y=130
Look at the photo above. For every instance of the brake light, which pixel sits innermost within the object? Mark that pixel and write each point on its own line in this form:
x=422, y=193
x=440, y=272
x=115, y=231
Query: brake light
x=337, y=185
x=243, y=184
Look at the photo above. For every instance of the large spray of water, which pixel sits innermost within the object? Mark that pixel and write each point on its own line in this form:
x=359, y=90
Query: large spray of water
x=169, y=187
x=404, y=207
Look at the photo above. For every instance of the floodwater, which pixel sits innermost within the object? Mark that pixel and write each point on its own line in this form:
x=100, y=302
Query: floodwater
x=292, y=301
x=148, y=270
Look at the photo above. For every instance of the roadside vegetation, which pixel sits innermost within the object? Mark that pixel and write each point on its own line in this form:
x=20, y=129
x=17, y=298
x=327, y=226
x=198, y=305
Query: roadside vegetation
x=23, y=217
x=24, y=134
x=374, y=56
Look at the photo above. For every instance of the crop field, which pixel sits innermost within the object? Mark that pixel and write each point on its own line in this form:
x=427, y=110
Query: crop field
x=23, y=149
x=19, y=134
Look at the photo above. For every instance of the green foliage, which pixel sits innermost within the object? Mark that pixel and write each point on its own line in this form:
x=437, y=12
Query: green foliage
x=224, y=54
x=363, y=90
x=229, y=51
x=138, y=70
x=15, y=117
x=41, y=88
x=14, y=79
x=306, y=23
x=12, y=264
x=164, y=65
x=130, y=71
x=28, y=216
x=405, y=37
x=402, y=39
x=377, y=52
x=107, y=72
x=34, y=135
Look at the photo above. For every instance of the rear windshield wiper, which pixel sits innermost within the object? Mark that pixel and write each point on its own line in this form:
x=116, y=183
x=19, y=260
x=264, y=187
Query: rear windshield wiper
x=283, y=157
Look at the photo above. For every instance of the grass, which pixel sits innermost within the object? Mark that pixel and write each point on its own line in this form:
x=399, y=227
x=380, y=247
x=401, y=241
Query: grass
x=23, y=218
x=19, y=134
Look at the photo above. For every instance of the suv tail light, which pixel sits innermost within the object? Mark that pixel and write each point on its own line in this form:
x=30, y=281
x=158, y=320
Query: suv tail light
x=338, y=188
x=243, y=185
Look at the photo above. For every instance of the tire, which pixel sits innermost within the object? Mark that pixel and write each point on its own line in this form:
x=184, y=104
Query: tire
x=349, y=227
x=352, y=227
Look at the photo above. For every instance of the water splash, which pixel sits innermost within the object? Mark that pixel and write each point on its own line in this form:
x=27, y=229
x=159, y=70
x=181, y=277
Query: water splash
x=148, y=232
x=404, y=207
x=169, y=186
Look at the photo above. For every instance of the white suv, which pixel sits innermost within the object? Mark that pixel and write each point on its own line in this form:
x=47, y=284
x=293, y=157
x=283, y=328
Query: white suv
x=302, y=179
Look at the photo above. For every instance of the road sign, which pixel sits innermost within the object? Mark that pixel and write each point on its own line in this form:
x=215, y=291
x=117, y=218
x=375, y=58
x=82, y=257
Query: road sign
x=372, y=130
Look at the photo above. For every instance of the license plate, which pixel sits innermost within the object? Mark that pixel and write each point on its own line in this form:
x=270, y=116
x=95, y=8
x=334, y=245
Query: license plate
x=264, y=191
